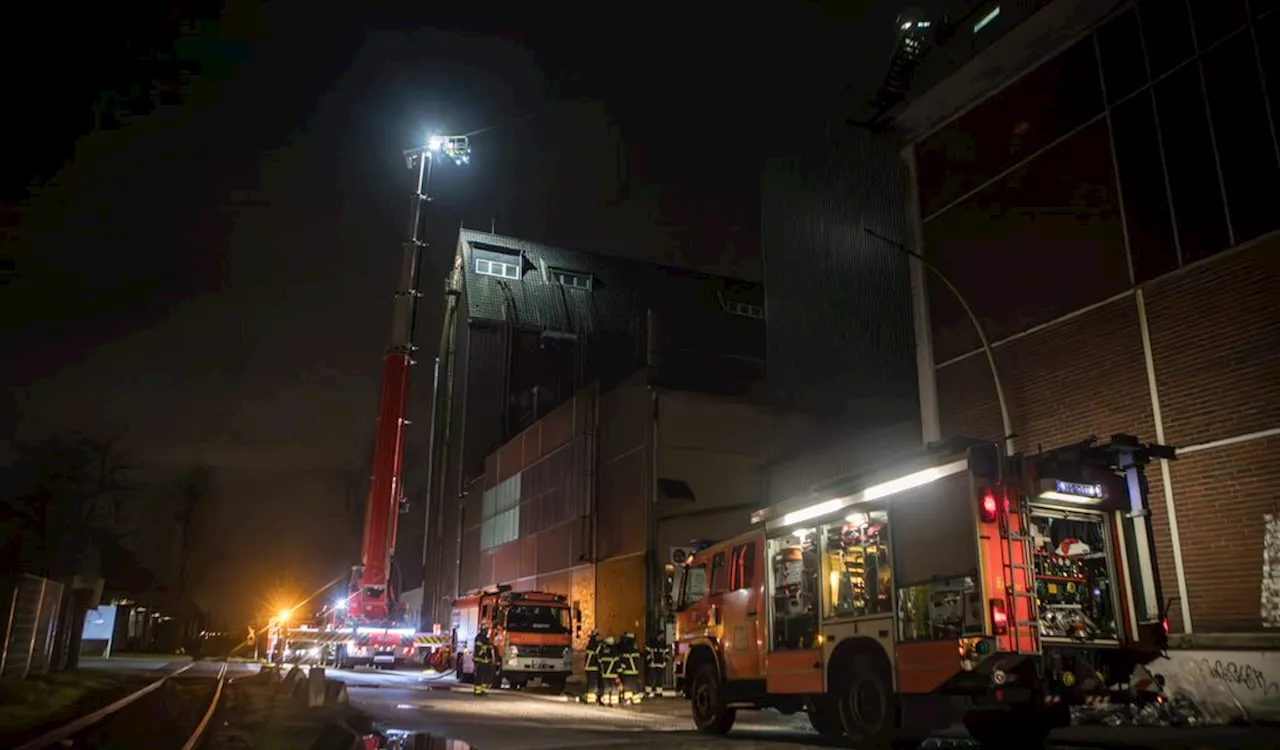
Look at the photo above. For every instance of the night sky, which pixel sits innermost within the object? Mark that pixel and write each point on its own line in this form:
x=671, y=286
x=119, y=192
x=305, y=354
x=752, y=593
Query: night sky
x=215, y=276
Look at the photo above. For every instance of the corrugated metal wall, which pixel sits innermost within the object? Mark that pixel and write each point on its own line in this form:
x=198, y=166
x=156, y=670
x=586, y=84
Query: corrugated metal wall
x=837, y=300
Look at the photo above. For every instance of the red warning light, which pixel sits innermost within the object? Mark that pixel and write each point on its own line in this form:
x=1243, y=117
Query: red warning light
x=999, y=619
x=989, y=507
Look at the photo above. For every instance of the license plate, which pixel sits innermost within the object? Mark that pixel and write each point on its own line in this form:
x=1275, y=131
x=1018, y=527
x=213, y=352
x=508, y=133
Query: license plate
x=541, y=665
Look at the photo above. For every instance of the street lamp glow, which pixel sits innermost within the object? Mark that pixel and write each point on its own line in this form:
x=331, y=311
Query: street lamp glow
x=435, y=142
x=340, y=604
x=285, y=614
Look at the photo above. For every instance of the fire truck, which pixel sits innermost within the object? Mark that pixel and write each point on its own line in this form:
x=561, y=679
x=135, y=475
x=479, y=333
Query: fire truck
x=373, y=627
x=956, y=584
x=531, y=631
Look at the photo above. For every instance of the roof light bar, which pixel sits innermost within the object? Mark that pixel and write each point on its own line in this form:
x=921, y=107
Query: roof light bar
x=877, y=491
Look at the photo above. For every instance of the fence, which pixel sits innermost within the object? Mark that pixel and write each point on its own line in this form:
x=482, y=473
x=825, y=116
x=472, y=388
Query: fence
x=33, y=606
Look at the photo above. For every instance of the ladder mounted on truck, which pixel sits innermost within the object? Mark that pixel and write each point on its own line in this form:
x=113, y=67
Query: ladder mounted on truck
x=1018, y=568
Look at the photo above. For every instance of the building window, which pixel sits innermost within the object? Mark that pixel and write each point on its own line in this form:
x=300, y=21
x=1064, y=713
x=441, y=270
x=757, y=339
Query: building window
x=500, y=514
x=693, y=586
x=501, y=269
x=745, y=309
x=719, y=575
x=569, y=278
x=742, y=566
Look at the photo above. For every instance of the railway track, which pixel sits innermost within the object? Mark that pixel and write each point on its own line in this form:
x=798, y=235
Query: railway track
x=172, y=711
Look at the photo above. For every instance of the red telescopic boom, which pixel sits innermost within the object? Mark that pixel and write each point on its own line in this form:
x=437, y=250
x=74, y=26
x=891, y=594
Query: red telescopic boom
x=372, y=600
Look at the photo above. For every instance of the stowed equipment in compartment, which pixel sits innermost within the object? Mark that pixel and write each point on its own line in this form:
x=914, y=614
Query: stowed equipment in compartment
x=1074, y=572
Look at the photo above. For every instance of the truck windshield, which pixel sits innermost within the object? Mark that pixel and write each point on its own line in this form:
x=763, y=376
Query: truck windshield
x=538, y=618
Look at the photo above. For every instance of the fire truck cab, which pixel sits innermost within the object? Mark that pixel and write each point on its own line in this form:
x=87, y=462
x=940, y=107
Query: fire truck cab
x=955, y=584
x=531, y=633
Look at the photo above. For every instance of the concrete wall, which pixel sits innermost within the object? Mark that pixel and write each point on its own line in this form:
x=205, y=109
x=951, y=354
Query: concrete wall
x=836, y=453
x=719, y=448
x=624, y=465
x=1228, y=685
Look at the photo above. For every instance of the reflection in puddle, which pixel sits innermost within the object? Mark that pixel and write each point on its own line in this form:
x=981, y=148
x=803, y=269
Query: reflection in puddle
x=398, y=739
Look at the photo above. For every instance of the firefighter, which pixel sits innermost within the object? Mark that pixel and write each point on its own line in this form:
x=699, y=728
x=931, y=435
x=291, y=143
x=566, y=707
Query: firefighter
x=610, y=666
x=483, y=660
x=629, y=660
x=592, y=668
x=655, y=666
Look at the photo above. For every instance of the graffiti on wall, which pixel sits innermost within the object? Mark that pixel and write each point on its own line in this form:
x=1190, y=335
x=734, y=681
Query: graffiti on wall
x=1271, y=571
x=1226, y=685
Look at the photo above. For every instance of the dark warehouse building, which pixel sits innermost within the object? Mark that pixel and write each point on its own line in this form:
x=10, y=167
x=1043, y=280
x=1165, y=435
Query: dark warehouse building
x=527, y=326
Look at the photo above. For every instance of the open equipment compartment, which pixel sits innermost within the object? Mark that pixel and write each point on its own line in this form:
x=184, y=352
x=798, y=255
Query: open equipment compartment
x=1075, y=577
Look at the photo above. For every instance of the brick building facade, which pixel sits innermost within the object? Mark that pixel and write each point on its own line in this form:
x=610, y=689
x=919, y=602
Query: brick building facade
x=1109, y=213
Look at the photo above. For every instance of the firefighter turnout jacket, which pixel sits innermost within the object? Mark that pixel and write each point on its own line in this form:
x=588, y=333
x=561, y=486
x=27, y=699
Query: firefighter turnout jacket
x=610, y=660
x=655, y=657
x=593, y=653
x=629, y=656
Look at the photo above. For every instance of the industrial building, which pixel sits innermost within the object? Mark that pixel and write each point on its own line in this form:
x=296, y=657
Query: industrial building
x=1098, y=180
x=602, y=497
x=526, y=328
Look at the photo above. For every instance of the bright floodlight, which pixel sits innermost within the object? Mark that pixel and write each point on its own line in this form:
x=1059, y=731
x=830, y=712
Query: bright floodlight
x=340, y=604
x=435, y=142
x=285, y=614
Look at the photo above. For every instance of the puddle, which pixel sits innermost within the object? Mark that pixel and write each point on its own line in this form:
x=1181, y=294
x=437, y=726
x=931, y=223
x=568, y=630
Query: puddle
x=398, y=739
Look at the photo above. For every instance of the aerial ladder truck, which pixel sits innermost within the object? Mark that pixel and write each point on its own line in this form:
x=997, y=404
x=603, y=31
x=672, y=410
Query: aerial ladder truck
x=370, y=628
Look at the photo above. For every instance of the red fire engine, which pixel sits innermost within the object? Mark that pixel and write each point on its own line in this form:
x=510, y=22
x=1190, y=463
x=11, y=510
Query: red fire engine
x=957, y=583
x=531, y=631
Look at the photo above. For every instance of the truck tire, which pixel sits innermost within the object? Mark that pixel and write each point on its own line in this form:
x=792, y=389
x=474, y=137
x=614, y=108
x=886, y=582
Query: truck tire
x=824, y=716
x=866, y=704
x=710, y=715
x=555, y=685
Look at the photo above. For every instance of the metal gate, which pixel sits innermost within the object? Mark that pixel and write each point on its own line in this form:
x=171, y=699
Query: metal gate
x=32, y=608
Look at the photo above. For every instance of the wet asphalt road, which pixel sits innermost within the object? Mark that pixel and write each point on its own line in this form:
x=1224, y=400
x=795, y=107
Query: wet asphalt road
x=507, y=720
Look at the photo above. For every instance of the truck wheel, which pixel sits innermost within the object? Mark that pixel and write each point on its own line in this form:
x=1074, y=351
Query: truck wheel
x=866, y=704
x=709, y=712
x=555, y=685
x=824, y=717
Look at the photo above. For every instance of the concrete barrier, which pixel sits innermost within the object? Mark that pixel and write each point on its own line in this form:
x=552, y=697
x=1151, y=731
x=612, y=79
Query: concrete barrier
x=315, y=688
x=335, y=692
x=1227, y=685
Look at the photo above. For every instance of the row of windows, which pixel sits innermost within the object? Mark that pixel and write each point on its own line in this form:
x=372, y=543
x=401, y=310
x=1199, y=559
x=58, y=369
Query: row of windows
x=1196, y=152
x=497, y=268
x=501, y=529
x=745, y=309
x=504, y=270
x=500, y=514
x=511, y=270
x=1178, y=163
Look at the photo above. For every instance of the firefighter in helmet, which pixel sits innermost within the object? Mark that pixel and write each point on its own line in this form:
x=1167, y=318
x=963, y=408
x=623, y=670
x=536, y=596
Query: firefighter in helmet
x=483, y=660
x=592, y=668
x=610, y=670
x=629, y=661
x=655, y=666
